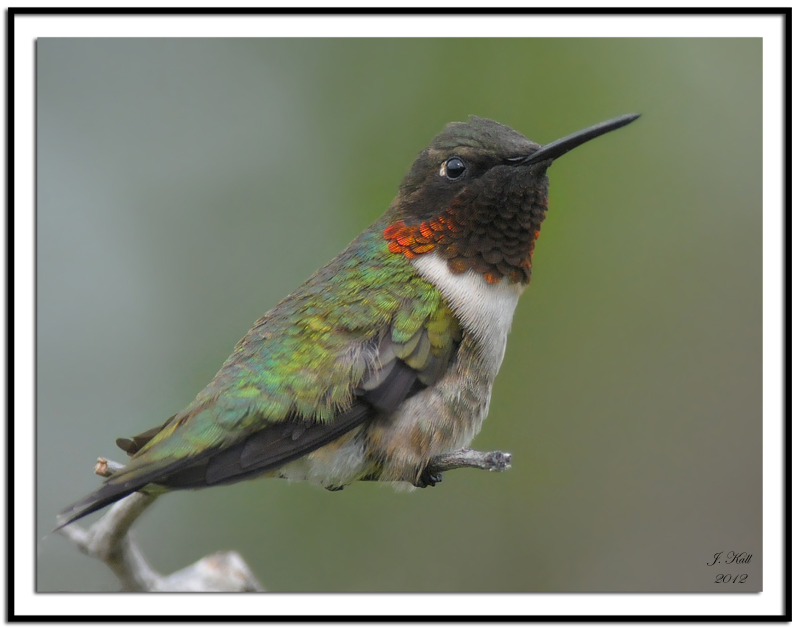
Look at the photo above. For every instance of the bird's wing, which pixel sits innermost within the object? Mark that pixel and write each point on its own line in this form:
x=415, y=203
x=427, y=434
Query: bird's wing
x=328, y=358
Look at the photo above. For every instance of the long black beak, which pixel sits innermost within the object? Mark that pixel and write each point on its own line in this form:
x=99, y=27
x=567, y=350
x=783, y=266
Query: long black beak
x=559, y=147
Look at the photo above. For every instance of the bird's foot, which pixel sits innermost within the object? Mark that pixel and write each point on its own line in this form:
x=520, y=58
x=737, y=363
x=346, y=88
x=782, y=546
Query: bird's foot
x=426, y=479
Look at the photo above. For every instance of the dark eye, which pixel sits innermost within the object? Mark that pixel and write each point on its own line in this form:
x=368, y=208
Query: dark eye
x=453, y=168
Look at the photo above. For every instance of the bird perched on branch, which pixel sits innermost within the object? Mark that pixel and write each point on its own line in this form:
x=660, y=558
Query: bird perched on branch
x=386, y=356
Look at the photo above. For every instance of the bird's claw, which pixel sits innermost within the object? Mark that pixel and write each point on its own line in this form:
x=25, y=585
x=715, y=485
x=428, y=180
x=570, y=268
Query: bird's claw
x=426, y=479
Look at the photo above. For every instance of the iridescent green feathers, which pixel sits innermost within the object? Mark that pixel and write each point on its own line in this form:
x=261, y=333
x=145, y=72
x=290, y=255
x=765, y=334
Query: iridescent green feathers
x=352, y=342
x=307, y=356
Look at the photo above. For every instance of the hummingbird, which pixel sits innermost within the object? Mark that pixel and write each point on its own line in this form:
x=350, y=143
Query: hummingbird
x=386, y=356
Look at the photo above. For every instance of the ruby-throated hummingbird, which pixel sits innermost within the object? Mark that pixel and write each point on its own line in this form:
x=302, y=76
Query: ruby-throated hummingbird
x=385, y=357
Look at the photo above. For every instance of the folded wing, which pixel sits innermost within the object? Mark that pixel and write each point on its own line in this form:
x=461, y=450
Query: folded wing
x=301, y=378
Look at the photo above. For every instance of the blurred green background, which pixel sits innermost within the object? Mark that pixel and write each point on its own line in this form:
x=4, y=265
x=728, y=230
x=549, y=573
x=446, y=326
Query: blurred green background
x=186, y=186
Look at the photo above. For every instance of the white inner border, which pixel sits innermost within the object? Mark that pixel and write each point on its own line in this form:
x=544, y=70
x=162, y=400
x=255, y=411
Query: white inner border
x=28, y=28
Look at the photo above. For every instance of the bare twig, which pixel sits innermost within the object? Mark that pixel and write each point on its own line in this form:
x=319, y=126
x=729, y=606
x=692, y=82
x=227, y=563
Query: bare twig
x=110, y=540
x=490, y=461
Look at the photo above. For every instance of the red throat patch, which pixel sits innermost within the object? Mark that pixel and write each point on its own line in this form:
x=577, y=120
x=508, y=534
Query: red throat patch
x=463, y=251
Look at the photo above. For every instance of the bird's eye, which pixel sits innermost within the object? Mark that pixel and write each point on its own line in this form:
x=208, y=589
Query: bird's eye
x=453, y=168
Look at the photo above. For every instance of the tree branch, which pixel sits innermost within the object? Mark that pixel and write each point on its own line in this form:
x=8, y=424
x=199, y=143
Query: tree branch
x=110, y=540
